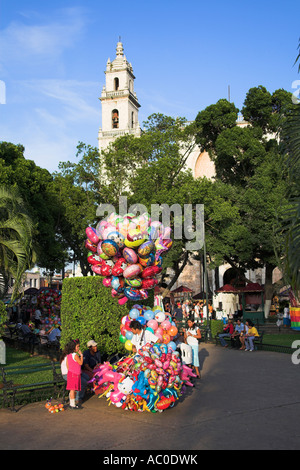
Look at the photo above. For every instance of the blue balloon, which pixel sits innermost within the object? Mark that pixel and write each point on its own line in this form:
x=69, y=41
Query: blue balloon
x=150, y=329
x=149, y=315
x=129, y=335
x=134, y=313
x=172, y=345
x=141, y=320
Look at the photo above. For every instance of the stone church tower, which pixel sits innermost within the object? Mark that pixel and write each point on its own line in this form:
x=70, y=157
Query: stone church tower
x=120, y=105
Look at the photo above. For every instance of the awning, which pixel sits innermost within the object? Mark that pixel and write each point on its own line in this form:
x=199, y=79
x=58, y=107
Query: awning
x=252, y=287
x=228, y=288
x=201, y=296
x=181, y=289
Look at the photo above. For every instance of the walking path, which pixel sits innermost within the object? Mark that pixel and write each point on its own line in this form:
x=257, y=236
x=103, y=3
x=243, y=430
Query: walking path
x=245, y=400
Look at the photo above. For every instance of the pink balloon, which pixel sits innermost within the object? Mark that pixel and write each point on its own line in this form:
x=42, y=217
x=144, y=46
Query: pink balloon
x=166, y=324
x=159, y=331
x=122, y=301
x=106, y=281
x=153, y=324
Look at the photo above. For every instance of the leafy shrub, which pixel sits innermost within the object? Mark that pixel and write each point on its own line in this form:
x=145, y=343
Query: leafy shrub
x=3, y=318
x=88, y=311
x=216, y=327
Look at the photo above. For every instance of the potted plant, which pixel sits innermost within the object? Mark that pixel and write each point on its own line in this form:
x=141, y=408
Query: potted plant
x=3, y=320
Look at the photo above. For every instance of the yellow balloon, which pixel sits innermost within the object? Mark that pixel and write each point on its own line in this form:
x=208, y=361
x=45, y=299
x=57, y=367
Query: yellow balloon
x=128, y=345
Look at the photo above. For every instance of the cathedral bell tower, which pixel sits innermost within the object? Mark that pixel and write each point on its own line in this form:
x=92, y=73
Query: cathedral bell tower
x=119, y=101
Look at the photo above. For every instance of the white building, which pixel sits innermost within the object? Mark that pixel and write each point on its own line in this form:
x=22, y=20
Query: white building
x=120, y=105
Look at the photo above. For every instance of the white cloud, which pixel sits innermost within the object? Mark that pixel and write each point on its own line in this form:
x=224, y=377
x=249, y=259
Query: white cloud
x=43, y=40
x=50, y=117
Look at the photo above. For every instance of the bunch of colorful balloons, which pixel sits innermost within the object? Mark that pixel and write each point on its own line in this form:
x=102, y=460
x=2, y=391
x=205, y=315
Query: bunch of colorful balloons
x=156, y=321
x=127, y=251
x=49, y=302
x=51, y=321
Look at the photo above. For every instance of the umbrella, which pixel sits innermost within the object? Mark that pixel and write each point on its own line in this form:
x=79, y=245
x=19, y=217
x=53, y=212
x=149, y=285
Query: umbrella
x=31, y=291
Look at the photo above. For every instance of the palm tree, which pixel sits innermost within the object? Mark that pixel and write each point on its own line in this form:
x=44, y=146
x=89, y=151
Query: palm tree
x=16, y=229
x=291, y=147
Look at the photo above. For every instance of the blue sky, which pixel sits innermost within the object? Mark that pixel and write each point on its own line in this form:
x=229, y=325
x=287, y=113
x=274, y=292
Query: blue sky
x=184, y=55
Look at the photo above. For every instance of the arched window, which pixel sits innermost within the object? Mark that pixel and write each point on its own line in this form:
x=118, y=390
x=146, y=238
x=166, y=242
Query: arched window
x=116, y=83
x=132, y=119
x=115, y=119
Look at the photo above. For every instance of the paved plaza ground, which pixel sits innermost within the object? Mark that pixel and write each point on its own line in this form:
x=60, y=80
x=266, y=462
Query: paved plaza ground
x=245, y=400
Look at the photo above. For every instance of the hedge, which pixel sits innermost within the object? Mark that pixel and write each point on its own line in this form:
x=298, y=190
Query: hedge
x=216, y=326
x=88, y=311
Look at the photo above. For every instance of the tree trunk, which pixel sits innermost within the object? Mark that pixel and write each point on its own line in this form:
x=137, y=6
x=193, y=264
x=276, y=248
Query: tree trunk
x=269, y=289
x=178, y=271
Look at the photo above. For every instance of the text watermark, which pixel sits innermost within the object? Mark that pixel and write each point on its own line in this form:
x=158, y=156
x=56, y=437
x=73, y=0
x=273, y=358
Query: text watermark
x=187, y=221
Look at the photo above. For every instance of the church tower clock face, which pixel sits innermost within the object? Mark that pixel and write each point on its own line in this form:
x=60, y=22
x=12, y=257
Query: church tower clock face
x=120, y=105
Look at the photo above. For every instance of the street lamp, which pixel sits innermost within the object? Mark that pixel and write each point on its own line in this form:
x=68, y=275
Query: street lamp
x=208, y=329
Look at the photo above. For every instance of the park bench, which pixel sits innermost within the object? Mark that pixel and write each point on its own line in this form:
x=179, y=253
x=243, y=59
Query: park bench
x=11, y=389
x=257, y=342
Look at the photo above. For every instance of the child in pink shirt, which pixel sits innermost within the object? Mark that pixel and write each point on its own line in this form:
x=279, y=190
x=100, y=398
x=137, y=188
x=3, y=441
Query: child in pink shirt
x=74, y=363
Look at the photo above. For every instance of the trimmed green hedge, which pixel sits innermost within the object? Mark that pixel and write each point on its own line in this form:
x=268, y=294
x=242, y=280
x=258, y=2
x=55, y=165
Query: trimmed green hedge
x=88, y=311
x=216, y=327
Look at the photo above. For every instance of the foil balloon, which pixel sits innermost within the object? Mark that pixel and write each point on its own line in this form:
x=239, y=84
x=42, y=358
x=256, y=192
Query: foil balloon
x=131, y=248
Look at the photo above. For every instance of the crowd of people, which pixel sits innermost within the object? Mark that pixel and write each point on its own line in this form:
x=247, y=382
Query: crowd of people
x=189, y=310
x=34, y=329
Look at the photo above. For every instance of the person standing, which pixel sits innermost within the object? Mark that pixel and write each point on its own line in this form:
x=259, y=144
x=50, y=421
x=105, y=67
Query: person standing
x=191, y=336
x=178, y=314
x=37, y=317
x=197, y=313
x=74, y=363
x=286, y=317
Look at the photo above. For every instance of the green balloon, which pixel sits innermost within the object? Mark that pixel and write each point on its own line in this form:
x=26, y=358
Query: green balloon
x=122, y=338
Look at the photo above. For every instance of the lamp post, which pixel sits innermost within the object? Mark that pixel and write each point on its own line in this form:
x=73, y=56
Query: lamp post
x=208, y=329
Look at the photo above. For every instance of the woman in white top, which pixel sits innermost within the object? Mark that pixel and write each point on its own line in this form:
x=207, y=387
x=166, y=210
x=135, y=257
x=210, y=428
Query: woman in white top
x=191, y=336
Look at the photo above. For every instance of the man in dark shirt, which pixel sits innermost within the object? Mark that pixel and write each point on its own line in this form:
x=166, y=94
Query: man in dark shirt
x=91, y=358
x=177, y=313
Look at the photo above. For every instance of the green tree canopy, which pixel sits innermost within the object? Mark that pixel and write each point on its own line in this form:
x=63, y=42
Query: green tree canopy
x=34, y=185
x=16, y=248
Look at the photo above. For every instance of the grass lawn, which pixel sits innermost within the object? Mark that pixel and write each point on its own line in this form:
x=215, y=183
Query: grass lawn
x=16, y=357
x=281, y=339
